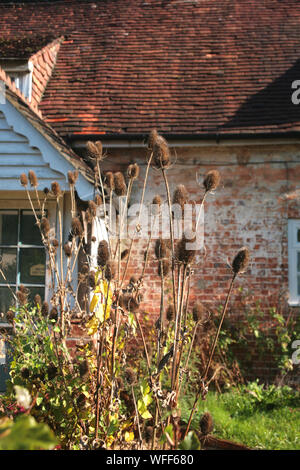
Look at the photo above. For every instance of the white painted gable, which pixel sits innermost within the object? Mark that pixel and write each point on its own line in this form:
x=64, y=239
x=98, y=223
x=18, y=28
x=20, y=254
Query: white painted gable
x=23, y=148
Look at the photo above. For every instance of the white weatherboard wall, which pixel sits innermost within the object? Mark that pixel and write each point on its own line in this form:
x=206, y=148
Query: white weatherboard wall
x=17, y=156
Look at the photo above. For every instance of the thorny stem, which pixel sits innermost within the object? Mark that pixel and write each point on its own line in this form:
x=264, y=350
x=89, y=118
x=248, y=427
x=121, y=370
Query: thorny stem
x=203, y=378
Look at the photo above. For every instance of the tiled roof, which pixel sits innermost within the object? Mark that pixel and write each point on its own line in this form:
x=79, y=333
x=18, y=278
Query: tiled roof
x=23, y=47
x=182, y=66
x=14, y=96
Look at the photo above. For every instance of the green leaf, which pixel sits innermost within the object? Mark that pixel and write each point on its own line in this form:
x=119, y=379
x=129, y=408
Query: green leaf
x=191, y=442
x=26, y=434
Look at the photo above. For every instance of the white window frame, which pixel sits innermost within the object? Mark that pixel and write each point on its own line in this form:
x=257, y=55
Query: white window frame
x=293, y=250
x=21, y=75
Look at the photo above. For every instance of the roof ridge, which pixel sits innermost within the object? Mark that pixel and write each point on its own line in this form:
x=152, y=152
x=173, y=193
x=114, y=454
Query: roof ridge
x=58, y=40
x=12, y=86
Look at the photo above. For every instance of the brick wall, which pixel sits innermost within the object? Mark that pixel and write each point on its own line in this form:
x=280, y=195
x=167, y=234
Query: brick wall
x=251, y=207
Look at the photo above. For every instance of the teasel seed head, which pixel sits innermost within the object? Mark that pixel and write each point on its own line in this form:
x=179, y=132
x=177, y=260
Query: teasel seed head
x=98, y=200
x=55, y=243
x=109, y=180
x=24, y=179
x=198, y=311
x=103, y=253
x=133, y=280
x=38, y=301
x=55, y=188
x=170, y=313
x=71, y=178
x=183, y=254
x=206, y=423
x=45, y=309
x=92, y=280
x=211, y=180
x=92, y=208
x=164, y=266
x=160, y=150
x=95, y=150
x=45, y=226
x=241, y=260
x=10, y=316
x=156, y=205
x=133, y=171
x=130, y=376
x=124, y=253
x=160, y=248
x=46, y=191
x=110, y=270
x=76, y=227
x=180, y=196
x=68, y=250
x=148, y=433
x=119, y=183
x=33, y=179
x=53, y=314
x=22, y=297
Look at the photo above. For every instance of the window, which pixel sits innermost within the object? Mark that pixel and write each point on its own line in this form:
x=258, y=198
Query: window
x=20, y=72
x=22, y=255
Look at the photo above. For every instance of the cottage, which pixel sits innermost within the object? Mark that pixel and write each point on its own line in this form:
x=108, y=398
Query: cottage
x=215, y=78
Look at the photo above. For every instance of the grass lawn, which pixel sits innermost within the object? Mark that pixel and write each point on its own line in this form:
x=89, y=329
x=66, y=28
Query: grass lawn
x=257, y=417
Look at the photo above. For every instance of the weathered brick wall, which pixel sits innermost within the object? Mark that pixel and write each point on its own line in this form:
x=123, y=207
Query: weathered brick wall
x=251, y=207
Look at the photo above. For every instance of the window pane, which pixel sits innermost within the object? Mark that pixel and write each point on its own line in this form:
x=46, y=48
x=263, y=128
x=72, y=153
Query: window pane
x=6, y=301
x=29, y=233
x=298, y=261
x=8, y=227
x=32, y=265
x=8, y=259
x=298, y=283
x=298, y=236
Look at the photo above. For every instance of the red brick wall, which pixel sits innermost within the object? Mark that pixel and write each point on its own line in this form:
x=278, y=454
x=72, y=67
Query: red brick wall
x=251, y=207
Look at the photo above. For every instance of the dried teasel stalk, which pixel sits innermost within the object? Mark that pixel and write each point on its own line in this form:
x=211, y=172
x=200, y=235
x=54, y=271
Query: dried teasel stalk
x=160, y=248
x=164, y=267
x=182, y=252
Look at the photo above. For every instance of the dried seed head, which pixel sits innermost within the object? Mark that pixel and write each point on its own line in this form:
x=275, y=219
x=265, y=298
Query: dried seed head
x=157, y=200
x=133, y=280
x=68, y=249
x=206, y=423
x=76, y=227
x=156, y=205
x=198, y=311
x=109, y=179
x=130, y=376
x=170, y=313
x=71, y=179
x=24, y=289
x=160, y=248
x=124, y=253
x=46, y=191
x=211, y=180
x=38, y=301
x=95, y=150
x=128, y=302
x=25, y=373
x=55, y=188
x=241, y=260
x=22, y=297
x=180, y=196
x=55, y=243
x=160, y=150
x=133, y=171
x=148, y=433
x=45, y=226
x=119, y=183
x=163, y=267
x=110, y=270
x=33, y=179
x=81, y=401
x=98, y=200
x=45, y=309
x=182, y=253
x=92, y=208
x=10, y=316
x=23, y=179
x=103, y=253
x=120, y=383
x=92, y=281
x=53, y=314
